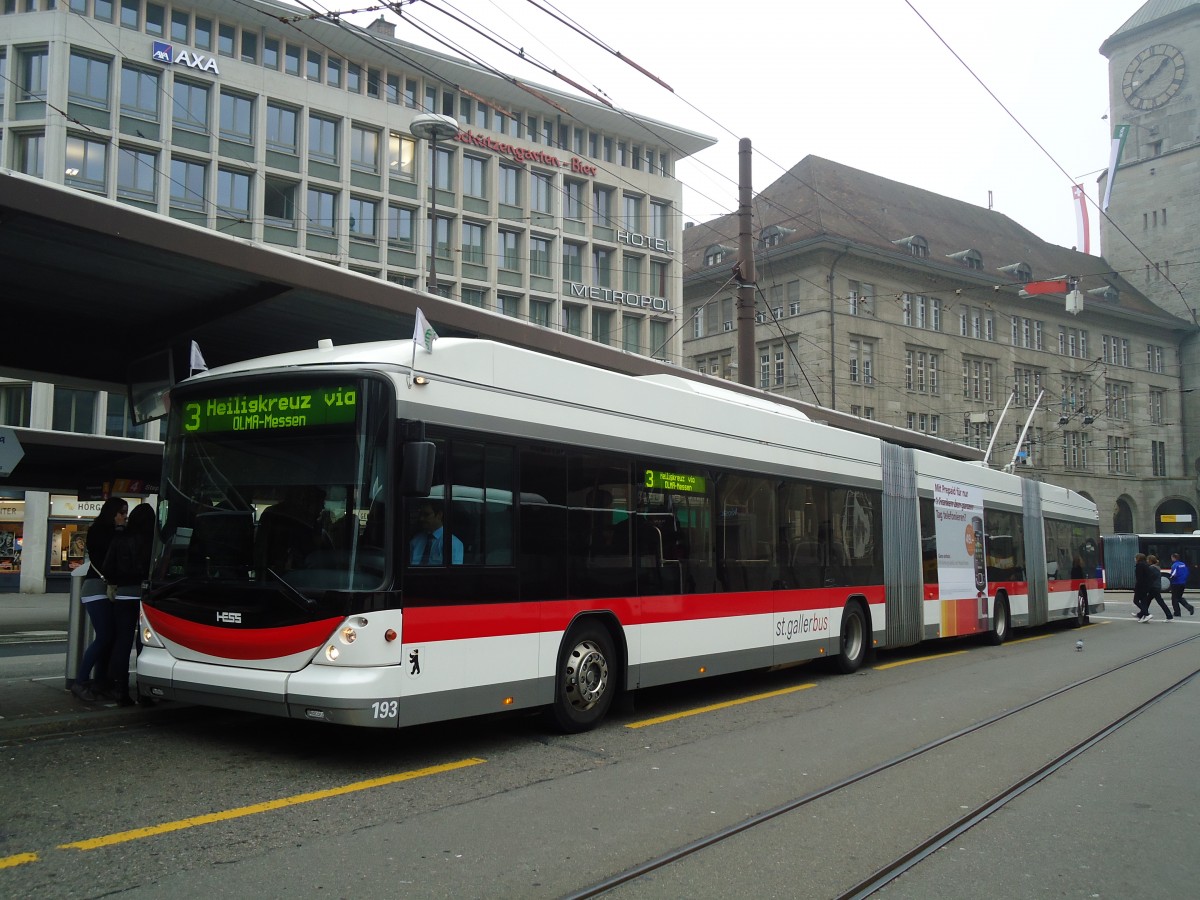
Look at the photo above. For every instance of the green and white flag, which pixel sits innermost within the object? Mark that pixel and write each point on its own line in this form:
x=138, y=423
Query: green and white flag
x=1114, y=160
x=423, y=333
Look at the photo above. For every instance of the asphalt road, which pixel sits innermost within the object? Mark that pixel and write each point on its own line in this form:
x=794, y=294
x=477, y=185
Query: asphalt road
x=206, y=803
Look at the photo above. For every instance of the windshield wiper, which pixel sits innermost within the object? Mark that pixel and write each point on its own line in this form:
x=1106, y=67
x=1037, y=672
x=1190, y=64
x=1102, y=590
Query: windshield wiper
x=303, y=601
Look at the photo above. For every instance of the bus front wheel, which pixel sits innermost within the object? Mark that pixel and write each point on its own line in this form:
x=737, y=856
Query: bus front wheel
x=585, y=680
x=1081, y=609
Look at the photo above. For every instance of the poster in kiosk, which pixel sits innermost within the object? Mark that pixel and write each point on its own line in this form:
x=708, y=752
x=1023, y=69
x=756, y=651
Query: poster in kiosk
x=962, y=570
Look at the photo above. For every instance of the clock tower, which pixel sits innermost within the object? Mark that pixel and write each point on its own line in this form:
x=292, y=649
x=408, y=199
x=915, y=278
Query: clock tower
x=1154, y=88
x=1151, y=234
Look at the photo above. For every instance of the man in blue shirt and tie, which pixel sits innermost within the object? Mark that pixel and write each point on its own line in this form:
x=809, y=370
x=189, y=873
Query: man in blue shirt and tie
x=425, y=549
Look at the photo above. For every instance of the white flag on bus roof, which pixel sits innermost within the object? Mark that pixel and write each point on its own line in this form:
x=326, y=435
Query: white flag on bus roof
x=423, y=333
x=196, y=360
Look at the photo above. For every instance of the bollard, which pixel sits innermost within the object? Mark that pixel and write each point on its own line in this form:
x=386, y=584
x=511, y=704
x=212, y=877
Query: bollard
x=79, y=626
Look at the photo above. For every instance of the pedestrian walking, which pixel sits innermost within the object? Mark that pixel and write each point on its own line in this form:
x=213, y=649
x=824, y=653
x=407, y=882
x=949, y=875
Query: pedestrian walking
x=1141, y=598
x=1179, y=577
x=1154, y=589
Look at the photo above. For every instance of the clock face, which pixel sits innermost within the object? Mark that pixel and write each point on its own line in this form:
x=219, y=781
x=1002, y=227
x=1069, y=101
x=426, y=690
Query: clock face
x=1153, y=77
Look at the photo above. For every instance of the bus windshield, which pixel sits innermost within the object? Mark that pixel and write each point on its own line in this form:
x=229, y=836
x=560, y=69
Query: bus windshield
x=275, y=481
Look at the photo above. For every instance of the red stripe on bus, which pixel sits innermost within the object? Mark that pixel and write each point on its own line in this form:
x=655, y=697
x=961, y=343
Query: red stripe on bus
x=447, y=623
x=240, y=643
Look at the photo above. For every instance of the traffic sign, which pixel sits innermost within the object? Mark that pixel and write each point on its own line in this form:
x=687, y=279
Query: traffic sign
x=11, y=451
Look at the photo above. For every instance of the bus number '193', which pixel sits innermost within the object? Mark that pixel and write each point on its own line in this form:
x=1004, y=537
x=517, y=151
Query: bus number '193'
x=384, y=709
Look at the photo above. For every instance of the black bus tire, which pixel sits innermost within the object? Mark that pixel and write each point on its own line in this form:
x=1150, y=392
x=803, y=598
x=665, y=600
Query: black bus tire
x=1081, y=609
x=852, y=647
x=1001, y=624
x=586, y=678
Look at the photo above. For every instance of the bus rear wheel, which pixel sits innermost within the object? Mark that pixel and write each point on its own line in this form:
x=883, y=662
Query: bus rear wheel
x=1081, y=609
x=1000, y=622
x=853, y=640
x=585, y=680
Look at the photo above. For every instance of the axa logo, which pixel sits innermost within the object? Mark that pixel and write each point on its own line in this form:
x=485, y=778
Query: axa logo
x=230, y=618
x=164, y=52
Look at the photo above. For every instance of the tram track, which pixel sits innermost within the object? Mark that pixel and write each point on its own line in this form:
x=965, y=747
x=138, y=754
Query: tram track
x=902, y=862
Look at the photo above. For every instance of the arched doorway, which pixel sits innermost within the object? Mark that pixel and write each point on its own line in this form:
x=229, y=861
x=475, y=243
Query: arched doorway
x=1122, y=517
x=1175, y=517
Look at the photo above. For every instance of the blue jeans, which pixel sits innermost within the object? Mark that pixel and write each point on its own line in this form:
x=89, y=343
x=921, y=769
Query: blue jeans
x=125, y=620
x=97, y=654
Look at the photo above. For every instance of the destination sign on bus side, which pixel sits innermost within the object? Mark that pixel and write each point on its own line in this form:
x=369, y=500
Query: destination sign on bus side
x=675, y=481
x=269, y=411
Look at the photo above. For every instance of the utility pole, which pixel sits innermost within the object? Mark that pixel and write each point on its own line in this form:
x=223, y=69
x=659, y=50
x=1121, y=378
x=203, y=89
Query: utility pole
x=744, y=273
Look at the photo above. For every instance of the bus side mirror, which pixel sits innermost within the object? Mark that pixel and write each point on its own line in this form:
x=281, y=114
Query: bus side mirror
x=416, y=468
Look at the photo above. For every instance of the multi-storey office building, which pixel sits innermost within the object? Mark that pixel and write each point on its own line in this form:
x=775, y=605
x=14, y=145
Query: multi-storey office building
x=896, y=304
x=260, y=121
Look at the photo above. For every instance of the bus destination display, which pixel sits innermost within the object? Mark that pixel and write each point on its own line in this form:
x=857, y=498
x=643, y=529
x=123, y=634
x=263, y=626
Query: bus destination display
x=675, y=481
x=269, y=411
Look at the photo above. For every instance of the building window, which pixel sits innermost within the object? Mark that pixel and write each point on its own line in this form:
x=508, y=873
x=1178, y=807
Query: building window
x=631, y=213
x=16, y=401
x=631, y=330
x=1158, y=458
x=271, y=53
x=226, y=40
x=1156, y=406
x=87, y=163
x=203, y=31
x=602, y=266
x=282, y=134
x=137, y=174
x=400, y=227
x=188, y=184
x=354, y=78
x=363, y=218
x=291, y=59
x=862, y=361
x=921, y=371
x=237, y=114
x=1118, y=449
x=543, y=186
x=474, y=176
x=1075, y=445
x=74, y=410
x=473, y=247
x=312, y=65
x=444, y=180
x=631, y=281
x=279, y=200
x=541, y=312
x=510, y=186
x=117, y=422
x=139, y=93
x=602, y=207
x=88, y=80
x=601, y=326
x=1027, y=384
x=573, y=200
x=861, y=298
x=401, y=152
x=364, y=149
x=321, y=211
x=1115, y=350
x=474, y=297
x=322, y=138
x=660, y=220
x=572, y=261
x=131, y=14
x=572, y=319
x=658, y=339
x=977, y=380
x=233, y=193
x=539, y=259
x=1075, y=394
x=1154, y=358
x=181, y=26
x=1116, y=400
x=189, y=109
x=510, y=249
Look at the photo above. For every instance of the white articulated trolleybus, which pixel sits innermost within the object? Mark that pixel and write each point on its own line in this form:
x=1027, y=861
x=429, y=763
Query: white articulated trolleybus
x=382, y=536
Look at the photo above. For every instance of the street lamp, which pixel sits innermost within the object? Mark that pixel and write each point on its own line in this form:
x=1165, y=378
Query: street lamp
x=433, y=127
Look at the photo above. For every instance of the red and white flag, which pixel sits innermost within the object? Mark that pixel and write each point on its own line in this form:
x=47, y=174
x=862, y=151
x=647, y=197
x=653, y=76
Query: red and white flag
x=1081, y=219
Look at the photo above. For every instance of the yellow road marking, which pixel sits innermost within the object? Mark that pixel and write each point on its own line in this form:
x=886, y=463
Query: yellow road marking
x=138, y=833
x=645, y=723
x=905, y=662
x=19, y=859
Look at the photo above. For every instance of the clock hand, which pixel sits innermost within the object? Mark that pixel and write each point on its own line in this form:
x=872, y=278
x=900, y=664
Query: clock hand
x=1153, y=74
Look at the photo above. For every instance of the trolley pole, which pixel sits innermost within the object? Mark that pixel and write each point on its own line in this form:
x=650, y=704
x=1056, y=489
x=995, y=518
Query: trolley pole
x=745, y=268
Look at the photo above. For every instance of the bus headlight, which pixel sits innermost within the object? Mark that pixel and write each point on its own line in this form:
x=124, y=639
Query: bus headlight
x=332, y=653
x=348, y=635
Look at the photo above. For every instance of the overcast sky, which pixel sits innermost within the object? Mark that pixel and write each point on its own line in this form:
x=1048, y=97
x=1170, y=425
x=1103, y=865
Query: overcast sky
x=866, y=83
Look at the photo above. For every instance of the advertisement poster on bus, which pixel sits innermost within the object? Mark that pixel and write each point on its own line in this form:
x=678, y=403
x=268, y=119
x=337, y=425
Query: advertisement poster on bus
x=962, y=575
